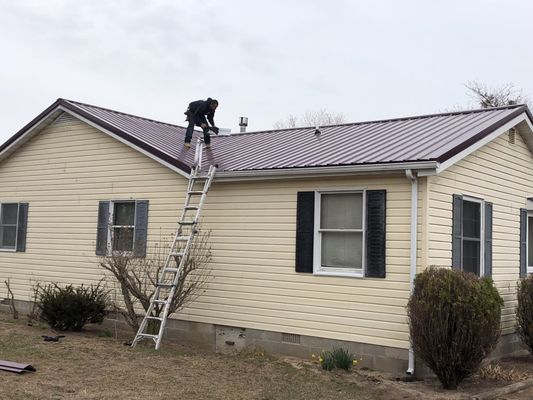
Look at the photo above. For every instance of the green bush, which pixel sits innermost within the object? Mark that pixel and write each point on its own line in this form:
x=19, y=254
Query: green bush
x=524, y=312
x=69, y=307
x=454, y=321
x=338, y=358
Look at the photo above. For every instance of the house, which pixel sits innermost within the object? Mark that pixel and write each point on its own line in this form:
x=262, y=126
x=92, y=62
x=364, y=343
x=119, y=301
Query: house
x=316, y=235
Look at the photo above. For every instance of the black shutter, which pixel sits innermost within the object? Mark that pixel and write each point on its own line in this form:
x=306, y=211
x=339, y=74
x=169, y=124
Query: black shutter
x=376, y=211
x=457, y=232
x=22, y=226
x=102, y=229
x=141, y=228
x=488, y=240
x=523, y=243
x=305, y=225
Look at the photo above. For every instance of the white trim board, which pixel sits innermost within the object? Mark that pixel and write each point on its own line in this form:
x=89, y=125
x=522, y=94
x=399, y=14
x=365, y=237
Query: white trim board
x=482, y=142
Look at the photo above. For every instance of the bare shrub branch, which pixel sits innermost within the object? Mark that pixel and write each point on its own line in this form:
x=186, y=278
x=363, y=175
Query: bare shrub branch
x=34, y=314
x=136, y=278
x=11, y=300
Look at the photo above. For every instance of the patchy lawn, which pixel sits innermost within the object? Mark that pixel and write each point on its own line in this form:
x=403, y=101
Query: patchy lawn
x=89, y=365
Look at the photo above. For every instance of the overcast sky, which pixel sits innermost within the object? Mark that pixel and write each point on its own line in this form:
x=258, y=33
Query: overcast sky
x=265, y=60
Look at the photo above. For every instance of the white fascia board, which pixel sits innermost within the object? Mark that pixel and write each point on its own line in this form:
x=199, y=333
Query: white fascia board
x=314, y=172
x=37, y=127
x=137, y=148
x=480, y=143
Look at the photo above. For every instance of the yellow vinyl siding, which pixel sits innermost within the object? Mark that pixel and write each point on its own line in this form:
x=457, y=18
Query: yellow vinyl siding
x=62, y=173
x=500, y=173
x=65, y=170
x=253, y=238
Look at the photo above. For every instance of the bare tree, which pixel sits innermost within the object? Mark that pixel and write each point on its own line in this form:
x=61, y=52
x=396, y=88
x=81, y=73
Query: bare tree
x=310, y=118
x=499, y=96
x=136, y=278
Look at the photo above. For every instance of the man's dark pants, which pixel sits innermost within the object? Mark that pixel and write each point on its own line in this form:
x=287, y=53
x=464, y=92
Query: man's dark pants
x=197, y=120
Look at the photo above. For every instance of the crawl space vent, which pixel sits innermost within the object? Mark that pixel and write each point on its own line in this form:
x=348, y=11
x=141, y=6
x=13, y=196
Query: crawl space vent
x=290, y=338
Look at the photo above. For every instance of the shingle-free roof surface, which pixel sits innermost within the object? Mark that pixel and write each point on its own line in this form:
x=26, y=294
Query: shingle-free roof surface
x=422, y=138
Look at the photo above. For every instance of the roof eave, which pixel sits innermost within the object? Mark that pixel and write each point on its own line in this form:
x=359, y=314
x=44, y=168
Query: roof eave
x=487, y=135
x=39, y=119
x=46, y=117
x=425, y=167
x=484, y=133
x=177, y=165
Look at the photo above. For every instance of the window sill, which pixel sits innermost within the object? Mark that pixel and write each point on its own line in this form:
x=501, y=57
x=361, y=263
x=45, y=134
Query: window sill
x=9, y=250
x=344, y=274
x=117, y=253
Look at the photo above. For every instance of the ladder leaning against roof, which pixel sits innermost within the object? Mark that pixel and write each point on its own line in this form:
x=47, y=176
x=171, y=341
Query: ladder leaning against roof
x=169, y=277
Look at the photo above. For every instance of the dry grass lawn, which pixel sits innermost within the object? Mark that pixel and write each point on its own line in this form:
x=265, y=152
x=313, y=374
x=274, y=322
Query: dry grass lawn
x=89, y=365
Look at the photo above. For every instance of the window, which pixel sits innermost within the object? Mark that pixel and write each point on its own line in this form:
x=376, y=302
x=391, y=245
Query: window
x=530, y=242
x=472, y=239
x=122, y=226
x=472, y=235
x=339, y=233
x=8, y=225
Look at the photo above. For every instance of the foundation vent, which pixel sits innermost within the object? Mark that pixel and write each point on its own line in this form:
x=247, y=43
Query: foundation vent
x=511, y=135
x=290, y=338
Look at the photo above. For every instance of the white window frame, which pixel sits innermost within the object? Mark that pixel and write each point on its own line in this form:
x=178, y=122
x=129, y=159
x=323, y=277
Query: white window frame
x=529, y=267
x=481, y=203
x=318, y=269
x=11, y=249
x=110, y=227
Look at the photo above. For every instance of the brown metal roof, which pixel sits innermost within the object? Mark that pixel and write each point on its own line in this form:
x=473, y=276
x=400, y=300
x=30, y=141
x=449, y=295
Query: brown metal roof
x=425, y=138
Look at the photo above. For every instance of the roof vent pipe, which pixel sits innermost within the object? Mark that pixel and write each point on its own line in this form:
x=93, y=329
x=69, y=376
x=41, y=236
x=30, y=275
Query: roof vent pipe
x=317, y=130
x=243, y=123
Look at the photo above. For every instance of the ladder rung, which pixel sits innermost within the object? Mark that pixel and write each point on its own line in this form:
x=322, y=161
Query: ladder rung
x=196, y=192
x=191, y=207
x=182, y=238
x=147, y=335
x=158, y=301
x=156, y=318
x=176, y=254
x=187, y=222
x=170, y=270
x=165, y=285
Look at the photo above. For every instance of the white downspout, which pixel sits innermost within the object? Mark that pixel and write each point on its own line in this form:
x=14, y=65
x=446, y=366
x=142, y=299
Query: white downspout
x=412, y=268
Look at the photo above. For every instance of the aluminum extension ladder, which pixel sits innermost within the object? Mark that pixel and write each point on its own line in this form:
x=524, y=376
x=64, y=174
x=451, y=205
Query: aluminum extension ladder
x=179, y=250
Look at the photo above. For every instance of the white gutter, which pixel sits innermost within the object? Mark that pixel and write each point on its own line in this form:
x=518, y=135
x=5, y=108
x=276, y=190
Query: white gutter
x=226, y=176
x=412, y=268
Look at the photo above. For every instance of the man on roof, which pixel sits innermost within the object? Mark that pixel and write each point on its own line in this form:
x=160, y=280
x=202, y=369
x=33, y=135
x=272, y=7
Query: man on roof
x=198, y=113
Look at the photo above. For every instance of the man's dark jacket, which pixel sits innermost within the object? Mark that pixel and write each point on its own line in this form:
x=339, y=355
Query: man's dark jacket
x=200, y=109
